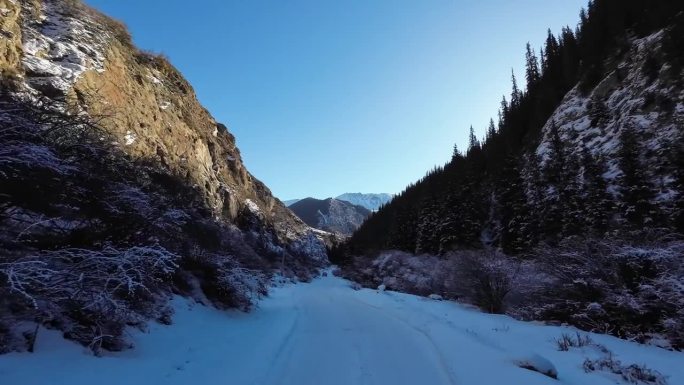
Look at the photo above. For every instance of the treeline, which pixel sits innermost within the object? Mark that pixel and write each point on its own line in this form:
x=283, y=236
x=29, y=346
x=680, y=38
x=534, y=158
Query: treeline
x=496, y=193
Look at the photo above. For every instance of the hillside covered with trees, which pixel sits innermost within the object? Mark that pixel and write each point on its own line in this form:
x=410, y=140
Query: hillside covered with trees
x=586, y=159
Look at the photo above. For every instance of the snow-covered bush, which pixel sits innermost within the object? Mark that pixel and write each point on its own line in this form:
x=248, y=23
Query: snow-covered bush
x=485, y=278
x=91, y=294
x=632, y=289
x=75, y=215
x=225, y=281
x=422, y=275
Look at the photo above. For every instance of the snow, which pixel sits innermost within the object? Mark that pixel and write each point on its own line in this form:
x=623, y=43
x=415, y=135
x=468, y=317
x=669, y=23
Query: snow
x=370, y=201
x=58, y=50
x=625, y=107
x=130, y=138
x=154, y=79
x=252, y=207
x=326, y=333
x=539, y=364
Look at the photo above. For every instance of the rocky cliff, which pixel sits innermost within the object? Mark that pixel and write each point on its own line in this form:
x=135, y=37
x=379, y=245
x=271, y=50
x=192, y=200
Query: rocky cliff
x=117, y=188
x=64, y=49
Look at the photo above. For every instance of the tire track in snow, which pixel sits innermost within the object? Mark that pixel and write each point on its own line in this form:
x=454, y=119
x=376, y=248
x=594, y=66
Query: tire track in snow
x=278, y=362
x=443, y=365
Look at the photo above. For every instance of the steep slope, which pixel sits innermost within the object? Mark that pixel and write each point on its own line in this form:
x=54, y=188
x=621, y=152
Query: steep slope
x=640, y=95
x=572, y=207
x=117, y=187
x=146, y=105
x=599, y=126
x=370, y=201
x=330, y=214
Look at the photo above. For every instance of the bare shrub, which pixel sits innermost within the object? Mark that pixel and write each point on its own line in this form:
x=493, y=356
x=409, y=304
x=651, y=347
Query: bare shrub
x=485, y=278
x=567, y=341
x=633, y=374
x=97, y=292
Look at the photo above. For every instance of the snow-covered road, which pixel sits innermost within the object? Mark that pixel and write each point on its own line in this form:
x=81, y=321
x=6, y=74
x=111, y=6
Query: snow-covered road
x=326, y=333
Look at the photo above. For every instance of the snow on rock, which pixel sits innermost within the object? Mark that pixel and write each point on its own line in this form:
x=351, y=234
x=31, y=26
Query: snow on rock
x=382, y=288
x=624, y=100
x=130, y=138
x=370, y=201
x=327, y=333
x=312, y=246
x=252, y=206
x=435, y=297
x=164, y=105
x=537, y=363
x=60, y=47
x=154, y=79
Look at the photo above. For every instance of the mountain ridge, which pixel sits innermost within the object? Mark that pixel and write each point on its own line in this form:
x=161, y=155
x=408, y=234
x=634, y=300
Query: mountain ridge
x=332, y=215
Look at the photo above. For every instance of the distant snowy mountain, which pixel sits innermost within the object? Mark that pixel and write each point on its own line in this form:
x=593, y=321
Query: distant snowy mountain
x=330, y=214
x=290, y=202
x=370, y=201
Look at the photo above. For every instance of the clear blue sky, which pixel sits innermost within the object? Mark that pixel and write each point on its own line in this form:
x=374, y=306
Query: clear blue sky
x=327, y=97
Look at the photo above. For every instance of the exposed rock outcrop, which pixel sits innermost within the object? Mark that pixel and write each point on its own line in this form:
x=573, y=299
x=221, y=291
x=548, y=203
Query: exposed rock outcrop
x=64, y=50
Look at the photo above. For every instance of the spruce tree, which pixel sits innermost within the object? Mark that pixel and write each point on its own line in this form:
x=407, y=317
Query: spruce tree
x=635, y=187
x=427, y=240
x=456, y=154
x=677, y=152
x=532, y=73
x=516, y=230
x=516, y=95
x=570, y=194
x=553, y=173
x=598, y=203
x=473, y=143
x=491, y=130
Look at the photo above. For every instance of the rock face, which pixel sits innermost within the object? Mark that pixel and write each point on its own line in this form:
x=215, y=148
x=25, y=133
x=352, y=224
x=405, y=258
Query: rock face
x=62, y=49
x=332, y=215
x=629, y=98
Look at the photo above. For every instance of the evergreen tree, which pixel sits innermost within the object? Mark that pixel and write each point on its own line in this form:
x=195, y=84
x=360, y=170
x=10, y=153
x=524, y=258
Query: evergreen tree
x=532, y=73
x=516, y=95
x=491, y=130
x=635, y=186
x=427, y=238
x=678, y=167
x=598, y=203
x=598, y=112
x=553, y=177
x=473, y=143
x=551, y=50
x=570, y=194
x=456, y=154
x=503, y=113
x=516, y=229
